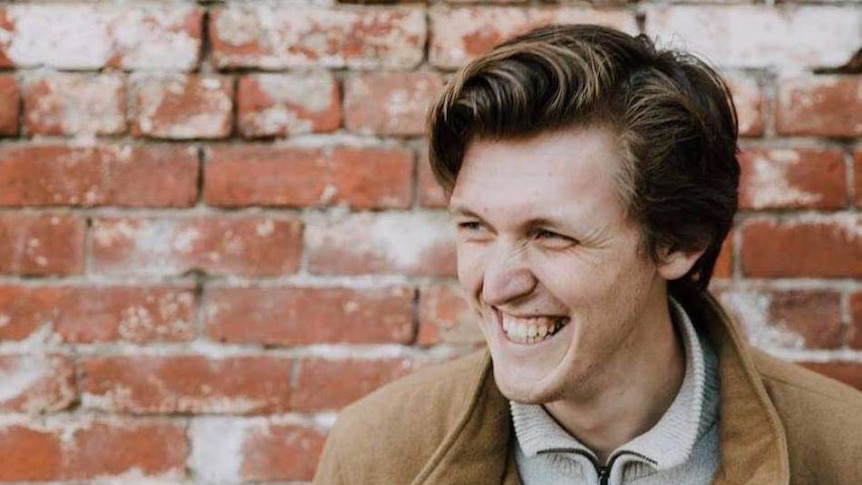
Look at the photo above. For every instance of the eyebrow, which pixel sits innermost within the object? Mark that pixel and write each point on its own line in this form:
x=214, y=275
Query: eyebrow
x=460, y=210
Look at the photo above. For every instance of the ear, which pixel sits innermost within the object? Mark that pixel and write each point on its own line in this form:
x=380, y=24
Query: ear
x=675, y=264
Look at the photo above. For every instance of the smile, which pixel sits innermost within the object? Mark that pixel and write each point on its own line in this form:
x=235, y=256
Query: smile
x=530, y=329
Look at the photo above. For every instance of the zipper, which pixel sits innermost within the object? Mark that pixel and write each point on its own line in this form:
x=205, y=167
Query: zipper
x=603, y=472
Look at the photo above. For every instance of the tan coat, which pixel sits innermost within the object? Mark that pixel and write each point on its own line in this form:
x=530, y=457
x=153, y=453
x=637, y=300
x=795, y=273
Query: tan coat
x=780, y=423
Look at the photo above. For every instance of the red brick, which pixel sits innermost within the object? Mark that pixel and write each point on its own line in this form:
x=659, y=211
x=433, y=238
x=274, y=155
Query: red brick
x=41, y=244
x=419, y=243
x=186, y=384
x=83, y=448
x=333, y=384
x=92, y=314
x=36, y=383
x=820, y=106
x=81, y=36
x=792, y=179
x=430, y=192
x=748, y=99
x=302, y=316
x=290, y=36
x=75, y=104
x=460, y=34
x=723, y=268
x=758, y=35
x=10, y=104
x=286, y=176
x=247, y=245
x=288, y=104
x=826, y=247
x=389, y=103
x=854, y=333
x=183, y=106
x=445, y=317
x=788, y=319
x=146, y=176
x=281, y=452
x=849, y=373
x=857, y=174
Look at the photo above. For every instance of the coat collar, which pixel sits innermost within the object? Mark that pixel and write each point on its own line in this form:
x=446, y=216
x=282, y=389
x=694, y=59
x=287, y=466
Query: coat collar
x=753, y=444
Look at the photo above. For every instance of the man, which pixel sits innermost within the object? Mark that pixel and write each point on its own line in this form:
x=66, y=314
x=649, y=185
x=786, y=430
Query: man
x=592, y=180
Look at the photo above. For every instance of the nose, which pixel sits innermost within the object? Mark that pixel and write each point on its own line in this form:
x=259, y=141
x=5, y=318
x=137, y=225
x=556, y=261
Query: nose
x=507, y=278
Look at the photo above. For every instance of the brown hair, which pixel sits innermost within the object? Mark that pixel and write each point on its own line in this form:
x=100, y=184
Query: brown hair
x=673, y=115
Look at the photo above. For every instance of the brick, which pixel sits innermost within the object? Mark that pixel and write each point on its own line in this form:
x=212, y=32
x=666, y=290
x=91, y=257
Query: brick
x=120, y=175
x=854, y=332
x=820, y=106
x=445, y=317
x=333, y=384
x=787, y=319
x=748, y=99
x=281, y=452
x=279, y=37
x=389, y=103
x=10, y=104
x=820, y=246
x=86, y=448
x=290, y=176
x=41, y=244
x=183, y=106
x=429, y=191
x=234, y=450
x=75, y=104
x=80, y=36
x=419, y=243
x=95, y=314
x=849, y=373
x=271, y=105
x=302, y=316
x=757, y=35
x=459, y=34
x=792, y=179
x=723, y=268
x=248, y=245
x=186, y=384
x=36, y=383
x=857, y=175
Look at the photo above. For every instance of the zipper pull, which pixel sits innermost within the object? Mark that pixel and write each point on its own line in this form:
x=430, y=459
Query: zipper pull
x=604, y=474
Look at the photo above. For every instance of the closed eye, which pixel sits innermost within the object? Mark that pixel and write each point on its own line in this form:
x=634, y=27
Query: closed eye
x=470, y=225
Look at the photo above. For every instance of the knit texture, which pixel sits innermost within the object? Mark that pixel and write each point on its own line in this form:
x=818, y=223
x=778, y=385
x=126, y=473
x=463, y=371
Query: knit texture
x=683, y=447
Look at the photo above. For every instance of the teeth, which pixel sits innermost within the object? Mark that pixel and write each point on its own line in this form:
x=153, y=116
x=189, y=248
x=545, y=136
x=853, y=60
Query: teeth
x=531, y=330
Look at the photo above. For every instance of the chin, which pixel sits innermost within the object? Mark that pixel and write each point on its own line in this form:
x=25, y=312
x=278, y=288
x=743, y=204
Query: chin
x=520, y=386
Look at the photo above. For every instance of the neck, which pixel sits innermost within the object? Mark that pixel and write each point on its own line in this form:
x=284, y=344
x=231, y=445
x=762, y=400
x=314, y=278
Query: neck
x=636, y=387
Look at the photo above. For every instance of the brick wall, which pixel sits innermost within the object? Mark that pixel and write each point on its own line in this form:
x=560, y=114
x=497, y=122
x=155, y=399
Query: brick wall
x=217, y=228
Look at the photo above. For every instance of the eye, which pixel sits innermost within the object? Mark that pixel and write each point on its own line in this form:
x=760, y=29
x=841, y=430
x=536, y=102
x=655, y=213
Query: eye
x=553, y=239
x=545, y=234
x=470, y=226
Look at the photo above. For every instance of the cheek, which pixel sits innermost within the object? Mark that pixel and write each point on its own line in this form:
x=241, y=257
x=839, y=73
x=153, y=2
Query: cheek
x=470, y=270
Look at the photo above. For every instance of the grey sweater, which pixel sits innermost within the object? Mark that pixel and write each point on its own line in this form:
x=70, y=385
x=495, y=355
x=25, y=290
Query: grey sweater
x=682, y=448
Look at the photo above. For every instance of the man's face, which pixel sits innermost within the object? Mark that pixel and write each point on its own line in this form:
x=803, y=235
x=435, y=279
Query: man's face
x=551, y=264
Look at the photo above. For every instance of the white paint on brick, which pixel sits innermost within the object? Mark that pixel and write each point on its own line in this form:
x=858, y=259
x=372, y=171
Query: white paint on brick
x=770, y=183
x=310, y=92
x=216, y=454
x=27, y=371
x=401, y=238
x=89, y=36
x=451, y=26
x=786, y=37
x=753, y=310
x=280, y=29
x=5, y=320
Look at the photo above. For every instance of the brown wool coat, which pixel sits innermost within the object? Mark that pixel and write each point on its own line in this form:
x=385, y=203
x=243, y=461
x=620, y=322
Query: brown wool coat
x=780, y=424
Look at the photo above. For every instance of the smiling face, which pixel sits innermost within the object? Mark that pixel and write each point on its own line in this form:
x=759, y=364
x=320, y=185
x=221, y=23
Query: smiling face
x=567, y=302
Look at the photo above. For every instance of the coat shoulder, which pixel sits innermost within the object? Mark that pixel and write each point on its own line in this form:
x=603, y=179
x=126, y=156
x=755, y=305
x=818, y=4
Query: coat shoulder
x=821, y=418
x=389, y=434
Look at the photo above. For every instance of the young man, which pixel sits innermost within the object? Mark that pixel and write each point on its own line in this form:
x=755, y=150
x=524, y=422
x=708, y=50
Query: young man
x=592, y=180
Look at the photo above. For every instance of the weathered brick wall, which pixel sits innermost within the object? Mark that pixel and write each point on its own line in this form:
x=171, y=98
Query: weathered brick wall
x=217, y=227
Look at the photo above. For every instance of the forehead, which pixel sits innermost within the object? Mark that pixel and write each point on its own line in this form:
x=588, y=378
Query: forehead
x=566, y=172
